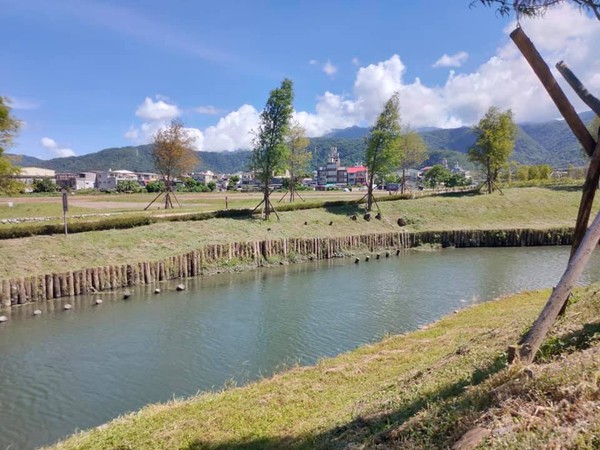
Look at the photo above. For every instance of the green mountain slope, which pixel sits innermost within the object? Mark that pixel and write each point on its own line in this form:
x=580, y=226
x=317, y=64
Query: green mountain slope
x=537, y=143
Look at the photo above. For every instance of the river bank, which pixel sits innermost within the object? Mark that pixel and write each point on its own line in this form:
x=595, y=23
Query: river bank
x=424, y=389
x=43, y=267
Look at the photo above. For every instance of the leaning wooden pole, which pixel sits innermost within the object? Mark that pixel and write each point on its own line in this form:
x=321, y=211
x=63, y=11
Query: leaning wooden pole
x=587, y=199
x=543, y=323
x=578, y=87
x=578, y=128
x=557, y=95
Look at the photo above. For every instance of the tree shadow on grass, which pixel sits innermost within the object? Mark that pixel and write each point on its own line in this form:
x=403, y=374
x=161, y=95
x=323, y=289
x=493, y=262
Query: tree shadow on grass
x=459, y=194
x=347, y=209
x=566, y=188
x=575, y=340
x=376, y=428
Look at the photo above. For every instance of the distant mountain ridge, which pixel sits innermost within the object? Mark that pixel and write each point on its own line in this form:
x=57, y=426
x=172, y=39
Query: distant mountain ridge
x=537, y=143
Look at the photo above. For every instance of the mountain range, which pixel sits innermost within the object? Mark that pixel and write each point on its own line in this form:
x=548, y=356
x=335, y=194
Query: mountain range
x=537, y=143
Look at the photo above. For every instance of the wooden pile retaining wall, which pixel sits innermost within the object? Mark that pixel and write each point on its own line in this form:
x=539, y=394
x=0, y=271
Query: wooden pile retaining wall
x=38, y=288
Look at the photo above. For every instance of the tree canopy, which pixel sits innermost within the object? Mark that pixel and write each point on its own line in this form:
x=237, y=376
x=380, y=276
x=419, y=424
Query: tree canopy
x=414, y=152
x=496, y=133
x=173, y=155
x=383, y=152
x=535, y=8
x=9, y=127
x=269, y=152
x=298, y=155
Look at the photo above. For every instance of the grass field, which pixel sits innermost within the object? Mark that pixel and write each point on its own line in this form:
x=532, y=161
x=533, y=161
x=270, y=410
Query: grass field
x=423, y=390
x=517, y=208
x=51, y=206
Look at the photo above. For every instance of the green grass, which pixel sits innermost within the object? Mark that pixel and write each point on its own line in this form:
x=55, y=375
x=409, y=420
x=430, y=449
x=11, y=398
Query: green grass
x=517, y=208
x=424, y=389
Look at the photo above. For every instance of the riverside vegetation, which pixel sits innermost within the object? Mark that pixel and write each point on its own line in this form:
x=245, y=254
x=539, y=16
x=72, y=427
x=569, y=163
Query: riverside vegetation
x=424, y=389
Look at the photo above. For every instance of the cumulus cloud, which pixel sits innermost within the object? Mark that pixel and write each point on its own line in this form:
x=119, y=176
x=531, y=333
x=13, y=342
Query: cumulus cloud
x=329, y=68
x=161, y=109
x=55, y=149
x=232, y=132
x=208, y=110
x=505, y=81
x=455, y=60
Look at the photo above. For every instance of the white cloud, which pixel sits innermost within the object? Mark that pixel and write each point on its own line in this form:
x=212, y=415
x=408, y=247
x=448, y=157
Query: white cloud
x=313, y=62
x=161, y=109
x=505, y=80
x=208, y=110
x=329, y=68
x=355, y=62
x=455, y=60
x=54, y=148
x=232, y=132
x=132, y=134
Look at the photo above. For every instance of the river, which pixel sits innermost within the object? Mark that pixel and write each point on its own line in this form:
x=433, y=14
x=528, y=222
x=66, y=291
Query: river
x=64, y=371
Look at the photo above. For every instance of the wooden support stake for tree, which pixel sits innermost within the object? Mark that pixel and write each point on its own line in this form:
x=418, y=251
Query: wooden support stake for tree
x=587, y=199
x=538, y=331
x=578, y=87
x=556, y=93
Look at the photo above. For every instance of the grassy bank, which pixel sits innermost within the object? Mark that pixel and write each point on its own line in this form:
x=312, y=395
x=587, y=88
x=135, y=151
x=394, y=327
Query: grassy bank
x=517, y=208
x=425, y=389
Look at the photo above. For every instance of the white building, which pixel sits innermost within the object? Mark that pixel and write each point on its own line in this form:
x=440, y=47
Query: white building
x=204, y=177
x=76, y=181
x=107, y=181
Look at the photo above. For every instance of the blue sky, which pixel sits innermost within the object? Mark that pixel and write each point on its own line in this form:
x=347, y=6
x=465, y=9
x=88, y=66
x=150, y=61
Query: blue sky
x=85, y=75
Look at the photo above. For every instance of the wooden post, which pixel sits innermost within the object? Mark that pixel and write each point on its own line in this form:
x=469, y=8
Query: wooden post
x=538, y=331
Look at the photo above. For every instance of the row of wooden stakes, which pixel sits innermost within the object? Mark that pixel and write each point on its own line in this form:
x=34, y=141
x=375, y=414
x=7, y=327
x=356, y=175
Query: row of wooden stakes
x=44, y=287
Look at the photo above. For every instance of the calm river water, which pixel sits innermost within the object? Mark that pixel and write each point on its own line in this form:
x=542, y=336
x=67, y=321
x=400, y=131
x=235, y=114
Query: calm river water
x=63, y=371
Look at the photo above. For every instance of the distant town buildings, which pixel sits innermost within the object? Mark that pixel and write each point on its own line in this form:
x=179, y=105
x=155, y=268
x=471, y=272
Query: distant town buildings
x=333, y=174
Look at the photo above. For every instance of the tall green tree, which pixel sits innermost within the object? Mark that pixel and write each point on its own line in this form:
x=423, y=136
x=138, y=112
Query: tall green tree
x=298, y=155
x=414, y=152
x=496, y=133
x=9, y=127
x=384, y=146
x=270, y=152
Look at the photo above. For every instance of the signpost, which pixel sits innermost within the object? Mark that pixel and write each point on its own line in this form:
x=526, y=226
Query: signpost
x=65, y=204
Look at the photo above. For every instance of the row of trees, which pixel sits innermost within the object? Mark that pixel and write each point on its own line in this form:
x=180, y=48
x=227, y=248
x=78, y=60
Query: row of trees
x=281, y=144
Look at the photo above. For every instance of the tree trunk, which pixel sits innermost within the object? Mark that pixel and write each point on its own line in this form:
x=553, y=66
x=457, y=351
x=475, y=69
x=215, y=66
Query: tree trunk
x=490, y=185
x=292, y=186
x=370, y=193
x=266, y=201
x=403, y=180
